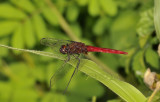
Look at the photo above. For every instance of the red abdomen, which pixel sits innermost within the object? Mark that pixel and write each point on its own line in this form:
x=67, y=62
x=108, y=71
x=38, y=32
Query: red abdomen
x=104, y=50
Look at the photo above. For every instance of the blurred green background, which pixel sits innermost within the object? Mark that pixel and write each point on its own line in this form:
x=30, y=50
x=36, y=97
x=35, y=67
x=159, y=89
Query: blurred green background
x=125, y=25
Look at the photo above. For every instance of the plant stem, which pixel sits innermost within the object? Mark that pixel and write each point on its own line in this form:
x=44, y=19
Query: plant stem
x=154, y=92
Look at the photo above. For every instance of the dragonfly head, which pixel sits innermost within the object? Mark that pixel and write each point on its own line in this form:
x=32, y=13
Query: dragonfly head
x=63, y=49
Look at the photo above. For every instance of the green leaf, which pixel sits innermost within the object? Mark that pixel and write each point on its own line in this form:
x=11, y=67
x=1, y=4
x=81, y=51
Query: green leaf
x=109, y=60
x=143, y=40
x=56, y=34
x=50, y=16
x=126, y=20
x=20, y=70
x=21, y=76
x=24, y=4
x=75, y=98
x=5, y=91
x=87, y=88
x=82, y=2
x=40, y=26
x=109, y=7
x=101, y=25
x=123, y=30
x=25, y=95
x=39, y=73
x=138, y=64
x=123, y=3
x=7, y=27
x=76, y=29
x=8, y=11
x=152, y=58
x=17, y=39
x=93, y=8
x=123, y=89
x=72, y=13
x=29, y=35
x=156, y=18
x=146, y=24
x=52, y=97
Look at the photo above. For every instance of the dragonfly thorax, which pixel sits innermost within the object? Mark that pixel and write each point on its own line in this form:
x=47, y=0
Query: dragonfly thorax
x=73, y=48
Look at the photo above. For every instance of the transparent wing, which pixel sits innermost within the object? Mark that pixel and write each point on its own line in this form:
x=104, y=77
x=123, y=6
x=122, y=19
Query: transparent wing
x=58, y=75
x=52, y=42
x=55, y=45
x=62, y=77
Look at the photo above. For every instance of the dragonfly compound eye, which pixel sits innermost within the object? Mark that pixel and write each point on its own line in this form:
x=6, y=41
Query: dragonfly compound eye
x=63, y=49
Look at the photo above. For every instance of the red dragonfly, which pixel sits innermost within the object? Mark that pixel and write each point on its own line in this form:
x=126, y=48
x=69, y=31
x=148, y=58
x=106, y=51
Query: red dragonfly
x=74, y=49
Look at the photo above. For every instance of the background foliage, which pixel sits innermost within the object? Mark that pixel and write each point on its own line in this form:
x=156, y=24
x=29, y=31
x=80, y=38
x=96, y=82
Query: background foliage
x=119, y=24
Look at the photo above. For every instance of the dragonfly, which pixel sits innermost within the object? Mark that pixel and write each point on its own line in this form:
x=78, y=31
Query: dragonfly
x=72, y=50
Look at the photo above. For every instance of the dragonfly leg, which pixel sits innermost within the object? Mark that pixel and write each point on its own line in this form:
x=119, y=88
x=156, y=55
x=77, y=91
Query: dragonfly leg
x=77, y=57
x=62, y=66
x=76, y=69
